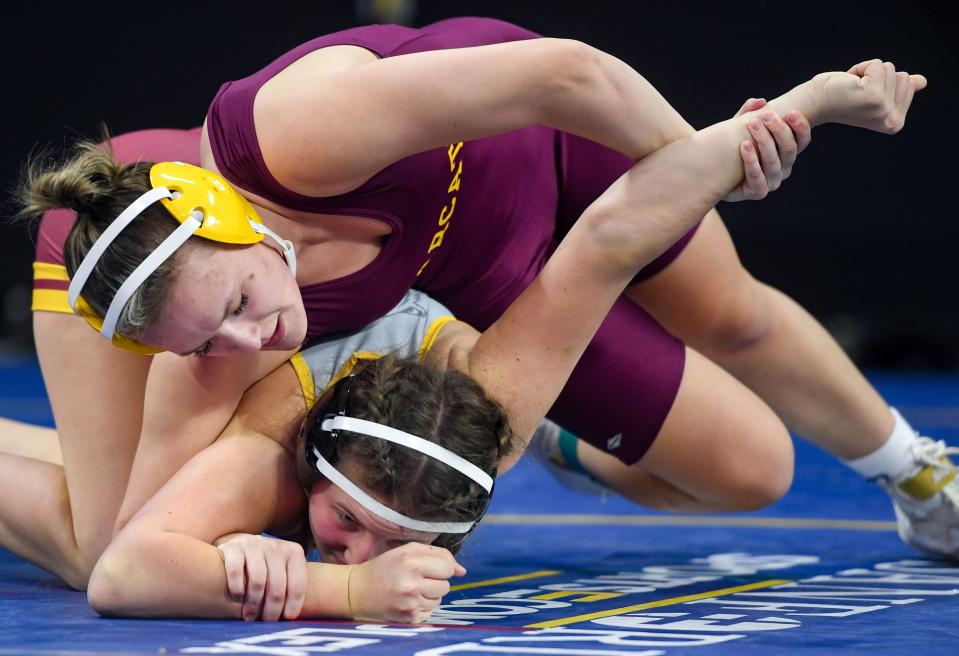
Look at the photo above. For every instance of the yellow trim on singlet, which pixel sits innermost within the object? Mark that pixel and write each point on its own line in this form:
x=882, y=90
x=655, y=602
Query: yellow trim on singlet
x=306, y=379
x=348, y=367
x=51, y=300
x=305, y=376
x=432, y=333
x=49, y=271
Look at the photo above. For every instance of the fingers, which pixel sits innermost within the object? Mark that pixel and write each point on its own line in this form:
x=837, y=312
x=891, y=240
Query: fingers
x=751, y=105
x=871, y=68
x=296, y=581
x=255, y=582
x=904, y=92
x=434, y=590
x=437, y=563
x=235, y=573
x=768, y=155
x=802, y=131
x=785, y=144
x=430, y=568
x=862, y=69
x=903, y=86
x=889, y=84
x=754, y=186
x=275, y=590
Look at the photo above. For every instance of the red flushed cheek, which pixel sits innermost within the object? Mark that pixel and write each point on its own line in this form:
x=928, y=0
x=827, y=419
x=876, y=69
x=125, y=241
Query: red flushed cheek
x=320, y=525
x=327, y=532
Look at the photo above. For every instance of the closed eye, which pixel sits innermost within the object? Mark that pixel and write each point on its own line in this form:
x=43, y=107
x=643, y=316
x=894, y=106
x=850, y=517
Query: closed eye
x=205, y=349
x=244, y=300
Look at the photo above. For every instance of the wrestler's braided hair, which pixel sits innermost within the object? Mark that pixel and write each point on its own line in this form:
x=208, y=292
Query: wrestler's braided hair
x=98, y=188
x=446, y=407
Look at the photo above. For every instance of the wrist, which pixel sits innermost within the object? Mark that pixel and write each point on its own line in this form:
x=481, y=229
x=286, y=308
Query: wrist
x=807, y=98
x=815, y=89
x=349, y=594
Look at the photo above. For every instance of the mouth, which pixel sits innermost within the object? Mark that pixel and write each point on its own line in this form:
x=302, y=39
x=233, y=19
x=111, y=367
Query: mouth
x=277, y=335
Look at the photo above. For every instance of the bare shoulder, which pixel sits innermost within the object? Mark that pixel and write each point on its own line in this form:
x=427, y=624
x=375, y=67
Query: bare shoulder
x=310, y=98
x=273, y=407
x=308, y=76
x=452, y=346
x=319, y=63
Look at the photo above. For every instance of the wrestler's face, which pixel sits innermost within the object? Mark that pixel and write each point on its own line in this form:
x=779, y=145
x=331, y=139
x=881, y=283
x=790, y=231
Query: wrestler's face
x=347, y=533
x=230, y=300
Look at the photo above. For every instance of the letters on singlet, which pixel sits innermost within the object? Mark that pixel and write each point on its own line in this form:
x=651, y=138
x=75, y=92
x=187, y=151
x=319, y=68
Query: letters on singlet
x=456, y=168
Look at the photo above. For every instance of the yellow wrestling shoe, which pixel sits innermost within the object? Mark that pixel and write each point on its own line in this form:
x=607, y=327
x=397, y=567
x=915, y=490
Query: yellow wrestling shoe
x=926, y=499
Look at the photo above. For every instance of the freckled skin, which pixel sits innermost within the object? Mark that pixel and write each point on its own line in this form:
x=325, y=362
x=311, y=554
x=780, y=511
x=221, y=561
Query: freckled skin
x=209, y=284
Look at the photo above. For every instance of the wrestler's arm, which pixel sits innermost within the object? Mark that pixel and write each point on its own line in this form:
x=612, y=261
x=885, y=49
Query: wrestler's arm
x=525, y=358
x=246, y=483
x=314, y=143
x=188, y=403
x=415, y=102
x=243, y=483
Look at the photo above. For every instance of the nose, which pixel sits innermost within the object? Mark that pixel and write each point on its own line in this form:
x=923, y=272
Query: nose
x=238, y=337
x=361, y=548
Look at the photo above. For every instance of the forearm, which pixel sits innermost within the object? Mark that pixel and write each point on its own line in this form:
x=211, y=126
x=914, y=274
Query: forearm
x=804, y=98
x=658, y=200
x=163, y=574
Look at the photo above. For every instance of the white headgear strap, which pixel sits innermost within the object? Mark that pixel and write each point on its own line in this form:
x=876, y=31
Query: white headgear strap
x=160, y=255
x=396, y=436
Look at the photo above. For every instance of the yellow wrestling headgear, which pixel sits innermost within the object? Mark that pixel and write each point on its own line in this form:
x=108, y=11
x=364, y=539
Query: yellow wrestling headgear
x=205, y=204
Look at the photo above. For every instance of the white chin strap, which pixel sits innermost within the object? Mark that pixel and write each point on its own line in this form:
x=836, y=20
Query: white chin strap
x=396, y=436
x=160, y=255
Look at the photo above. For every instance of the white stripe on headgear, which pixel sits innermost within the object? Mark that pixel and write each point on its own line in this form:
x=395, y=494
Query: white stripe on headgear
x=377, y=508
x=403, y=438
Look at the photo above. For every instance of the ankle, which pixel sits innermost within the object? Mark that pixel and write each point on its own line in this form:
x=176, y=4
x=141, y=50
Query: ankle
x=891, y=459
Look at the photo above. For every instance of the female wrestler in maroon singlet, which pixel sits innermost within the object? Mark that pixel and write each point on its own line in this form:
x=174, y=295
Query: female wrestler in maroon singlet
x=475, y=221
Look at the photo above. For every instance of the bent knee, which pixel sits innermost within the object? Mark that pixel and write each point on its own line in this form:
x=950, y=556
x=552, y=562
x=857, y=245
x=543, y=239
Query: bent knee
x=760, y=477
x=740, y=322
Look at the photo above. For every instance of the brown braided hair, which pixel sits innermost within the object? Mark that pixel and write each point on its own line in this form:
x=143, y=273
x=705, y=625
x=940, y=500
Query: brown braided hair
x=446, y=407
x=94, y=184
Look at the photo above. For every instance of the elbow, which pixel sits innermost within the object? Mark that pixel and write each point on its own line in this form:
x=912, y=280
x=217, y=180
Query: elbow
x=623, y=237
x=572, y=68
x=109, y=590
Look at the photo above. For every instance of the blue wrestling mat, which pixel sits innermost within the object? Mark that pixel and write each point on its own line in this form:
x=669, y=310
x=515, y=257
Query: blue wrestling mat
x=559, y=573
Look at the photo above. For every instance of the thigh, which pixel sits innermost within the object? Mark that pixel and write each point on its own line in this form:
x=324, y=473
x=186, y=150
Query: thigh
x=29, y=441
x=705, y=295
x=622, y=388
x=720, y=443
